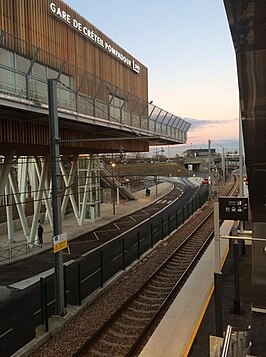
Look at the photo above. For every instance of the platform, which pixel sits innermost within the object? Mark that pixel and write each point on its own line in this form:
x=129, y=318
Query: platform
x=175, y=333
x=186, y=327
x=73, y=230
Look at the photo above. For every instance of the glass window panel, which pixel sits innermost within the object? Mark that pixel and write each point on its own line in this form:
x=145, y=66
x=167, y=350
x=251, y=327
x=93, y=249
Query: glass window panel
x=51, y=73
x=65, y=95
x=6, y=58
x=7, y=77
x=39, y=71
x=22, y=64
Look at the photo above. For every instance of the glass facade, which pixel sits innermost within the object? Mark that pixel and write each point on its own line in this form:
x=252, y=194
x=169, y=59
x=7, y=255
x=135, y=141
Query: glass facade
x=79, y=91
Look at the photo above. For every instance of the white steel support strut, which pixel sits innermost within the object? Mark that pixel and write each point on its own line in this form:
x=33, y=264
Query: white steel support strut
x=33, y=180
x=69, y=192
x=9, y=213
x=86, y=192
x=4, y=172
x=47, y=186
x=22, y=178
x=38, y=202
x=48, y=201
x=21, y=212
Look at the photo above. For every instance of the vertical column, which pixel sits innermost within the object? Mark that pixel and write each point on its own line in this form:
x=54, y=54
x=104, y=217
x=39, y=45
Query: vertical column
x=56, y=193
x=9, y=213
x=259, y=268
x=218, y=275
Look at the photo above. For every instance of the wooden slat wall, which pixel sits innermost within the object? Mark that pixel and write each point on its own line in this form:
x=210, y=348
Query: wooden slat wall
x=28, y=137
x=32, y=21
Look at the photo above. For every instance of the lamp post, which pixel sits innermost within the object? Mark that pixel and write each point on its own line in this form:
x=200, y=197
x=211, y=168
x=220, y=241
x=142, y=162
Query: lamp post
x=209, y=167
x=113, y=187
x=223, y=167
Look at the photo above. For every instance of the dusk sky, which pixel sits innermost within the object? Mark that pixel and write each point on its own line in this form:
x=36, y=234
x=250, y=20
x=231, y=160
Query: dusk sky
x=187, y=48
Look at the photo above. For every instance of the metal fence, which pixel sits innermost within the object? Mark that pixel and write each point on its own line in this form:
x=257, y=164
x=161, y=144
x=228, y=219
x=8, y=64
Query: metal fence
x=35, y=305
x=15, y=251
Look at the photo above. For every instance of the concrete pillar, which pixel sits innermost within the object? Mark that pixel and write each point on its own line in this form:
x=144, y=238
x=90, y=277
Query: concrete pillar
x=259, y=268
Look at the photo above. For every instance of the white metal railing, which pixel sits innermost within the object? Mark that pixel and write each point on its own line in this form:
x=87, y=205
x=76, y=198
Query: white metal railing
x=236, y=343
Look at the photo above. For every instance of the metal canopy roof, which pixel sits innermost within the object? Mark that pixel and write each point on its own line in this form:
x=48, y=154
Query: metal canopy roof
x=248, y=28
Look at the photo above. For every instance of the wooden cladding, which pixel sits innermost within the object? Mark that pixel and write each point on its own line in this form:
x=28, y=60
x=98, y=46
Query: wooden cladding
x=27, y=138
x=62, y=46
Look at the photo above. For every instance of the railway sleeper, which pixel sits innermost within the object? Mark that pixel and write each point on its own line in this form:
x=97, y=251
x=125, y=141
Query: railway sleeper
x=137, y=313
x=137, y=310
x=171, y=270
x=123, y=335
x=137, y=319
x=96, y=353
x=143, y=304
x=162, y=276
x=148, y=307
x=153, y=295
x=170, y=266
x=126, y=327
x=152, y=301
x=160, y=288
x=179, y=268
x=184, y=261
x=109, y=341
x=108, y=349
x=176, y=261
x=159, y=292
x=132, y=323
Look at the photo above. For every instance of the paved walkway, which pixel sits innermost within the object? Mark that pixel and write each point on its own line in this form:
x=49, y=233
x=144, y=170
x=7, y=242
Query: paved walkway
x=19, y=250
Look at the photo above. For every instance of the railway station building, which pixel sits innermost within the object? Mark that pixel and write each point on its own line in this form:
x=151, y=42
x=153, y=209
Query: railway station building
x=102, y=103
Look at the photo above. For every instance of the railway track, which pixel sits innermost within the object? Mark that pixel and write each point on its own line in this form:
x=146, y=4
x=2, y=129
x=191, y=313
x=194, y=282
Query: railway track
x=124, y=332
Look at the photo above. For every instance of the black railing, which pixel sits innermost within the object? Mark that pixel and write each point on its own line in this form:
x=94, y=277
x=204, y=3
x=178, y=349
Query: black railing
x=35, y=305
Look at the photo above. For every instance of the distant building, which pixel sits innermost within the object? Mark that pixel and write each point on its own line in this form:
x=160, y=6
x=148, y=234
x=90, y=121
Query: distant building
x=198, y=152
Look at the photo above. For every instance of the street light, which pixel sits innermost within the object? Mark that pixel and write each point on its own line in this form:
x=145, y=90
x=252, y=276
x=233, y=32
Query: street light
x=209, y=167
x=113, y=187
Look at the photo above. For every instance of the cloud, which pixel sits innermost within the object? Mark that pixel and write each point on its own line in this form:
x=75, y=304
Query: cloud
x=197, y=124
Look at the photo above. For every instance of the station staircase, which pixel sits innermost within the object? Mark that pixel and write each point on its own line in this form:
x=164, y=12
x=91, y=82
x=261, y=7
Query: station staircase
x=110, y=180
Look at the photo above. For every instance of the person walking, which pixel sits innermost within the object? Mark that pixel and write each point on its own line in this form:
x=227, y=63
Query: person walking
x=40, y=233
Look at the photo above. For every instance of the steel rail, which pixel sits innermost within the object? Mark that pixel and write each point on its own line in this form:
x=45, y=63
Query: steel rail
x=173, y=292
x=91, y=341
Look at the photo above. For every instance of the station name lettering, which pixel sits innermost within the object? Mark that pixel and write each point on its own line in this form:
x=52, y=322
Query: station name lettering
x=91, y=35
